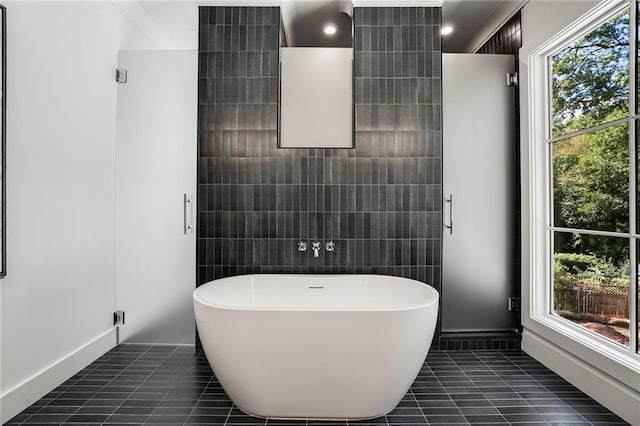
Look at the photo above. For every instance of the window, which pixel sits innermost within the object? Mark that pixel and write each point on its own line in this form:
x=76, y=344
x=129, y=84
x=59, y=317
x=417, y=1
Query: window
x=581, y=236
x=591, y=236
x=592, y=227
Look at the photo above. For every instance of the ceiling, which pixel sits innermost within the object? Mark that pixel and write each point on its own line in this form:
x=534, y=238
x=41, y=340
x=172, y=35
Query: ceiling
x=474, y=22
x=173, y=24
x=307, y=19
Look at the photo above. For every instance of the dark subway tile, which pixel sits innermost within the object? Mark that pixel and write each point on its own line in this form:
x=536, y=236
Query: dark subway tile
x=277, y=195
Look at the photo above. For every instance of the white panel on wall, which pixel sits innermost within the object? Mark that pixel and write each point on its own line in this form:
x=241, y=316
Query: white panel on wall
x=316, y=97
x=156, y=140
x=58, y=300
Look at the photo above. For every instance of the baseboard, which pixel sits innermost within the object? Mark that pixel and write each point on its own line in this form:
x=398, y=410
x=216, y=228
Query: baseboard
x=20, y=397
x=617, y=397
x=477, y=341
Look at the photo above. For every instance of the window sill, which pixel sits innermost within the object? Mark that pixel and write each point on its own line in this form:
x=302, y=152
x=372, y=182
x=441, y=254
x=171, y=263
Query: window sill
x=612, y=359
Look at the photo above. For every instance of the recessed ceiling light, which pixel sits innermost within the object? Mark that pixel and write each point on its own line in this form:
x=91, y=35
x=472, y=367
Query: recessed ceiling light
x=446, y=30
x=330, y=29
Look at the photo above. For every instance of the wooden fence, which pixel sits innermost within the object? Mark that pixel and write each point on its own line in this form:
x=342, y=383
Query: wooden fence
x=579, y=300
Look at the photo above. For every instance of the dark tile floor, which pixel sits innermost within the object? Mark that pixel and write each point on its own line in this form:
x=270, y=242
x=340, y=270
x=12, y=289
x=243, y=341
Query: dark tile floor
x=136, y=384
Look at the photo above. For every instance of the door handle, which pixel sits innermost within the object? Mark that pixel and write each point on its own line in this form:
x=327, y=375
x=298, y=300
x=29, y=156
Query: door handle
x=449, y=201
x=188, y=213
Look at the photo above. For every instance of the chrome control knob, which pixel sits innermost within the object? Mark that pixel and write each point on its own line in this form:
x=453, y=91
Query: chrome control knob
x=302, y=246
x=330, y=246
x=315, y=246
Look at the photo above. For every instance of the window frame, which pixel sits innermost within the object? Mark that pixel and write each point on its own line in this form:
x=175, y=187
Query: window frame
x=613, y=359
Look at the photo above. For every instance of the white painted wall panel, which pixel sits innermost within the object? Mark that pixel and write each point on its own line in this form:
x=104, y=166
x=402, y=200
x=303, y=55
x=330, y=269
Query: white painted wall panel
x=57, y=300
x=316, y=97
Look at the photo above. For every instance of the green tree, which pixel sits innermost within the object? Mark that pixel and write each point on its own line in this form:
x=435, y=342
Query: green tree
x=590, y=86
x=591, y=190
x=590, y=77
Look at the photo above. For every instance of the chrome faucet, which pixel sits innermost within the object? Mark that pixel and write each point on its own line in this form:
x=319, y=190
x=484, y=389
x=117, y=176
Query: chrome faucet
x=302, y=246
x=315, y=246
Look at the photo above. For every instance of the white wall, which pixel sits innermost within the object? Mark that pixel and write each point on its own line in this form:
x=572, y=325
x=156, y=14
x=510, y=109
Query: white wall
x=159, y=25
x=610, y=383
x=58, y=295
x=57, y=300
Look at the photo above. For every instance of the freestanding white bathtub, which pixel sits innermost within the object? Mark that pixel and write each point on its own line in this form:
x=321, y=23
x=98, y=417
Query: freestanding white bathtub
x=316, y=346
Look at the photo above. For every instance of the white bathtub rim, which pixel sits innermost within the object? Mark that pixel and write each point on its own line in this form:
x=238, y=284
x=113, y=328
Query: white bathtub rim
x=431, y=302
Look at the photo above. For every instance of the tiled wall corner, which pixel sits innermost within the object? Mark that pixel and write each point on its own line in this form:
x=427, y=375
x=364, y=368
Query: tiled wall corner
x=507, y=40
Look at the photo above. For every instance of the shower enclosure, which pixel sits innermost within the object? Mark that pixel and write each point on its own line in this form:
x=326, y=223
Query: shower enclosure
x=478, y=279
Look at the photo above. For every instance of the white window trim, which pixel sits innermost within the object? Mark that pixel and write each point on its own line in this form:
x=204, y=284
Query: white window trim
x=608, y=357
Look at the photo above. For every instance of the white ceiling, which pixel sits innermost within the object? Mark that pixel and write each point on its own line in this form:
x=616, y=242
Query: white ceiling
x=174, y=24
x=158, y=25
x=474, y=22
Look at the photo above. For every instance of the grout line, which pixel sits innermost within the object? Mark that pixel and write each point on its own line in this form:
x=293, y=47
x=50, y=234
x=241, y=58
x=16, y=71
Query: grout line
x=200, y=397
x=75, y=383
x=544, y=386
x=142, y=382
x=416, y=400
x=229, y=413
x=450, y=360
x=497, y=375
x=492, y=366
x=137, y=387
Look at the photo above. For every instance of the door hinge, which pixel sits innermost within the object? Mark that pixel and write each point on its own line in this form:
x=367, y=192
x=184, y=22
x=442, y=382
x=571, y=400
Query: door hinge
x=121, y=75
x=512, y=79
x=513, y=304
x=118, y=318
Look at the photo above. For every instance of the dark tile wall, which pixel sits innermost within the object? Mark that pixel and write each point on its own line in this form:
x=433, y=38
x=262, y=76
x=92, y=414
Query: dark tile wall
x=379, y=202
x=241, y=200
x=507, y=40
x=480, y=341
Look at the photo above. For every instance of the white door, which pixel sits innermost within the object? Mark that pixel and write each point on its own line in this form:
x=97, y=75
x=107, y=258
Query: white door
x=478, y=178
x=156, y=166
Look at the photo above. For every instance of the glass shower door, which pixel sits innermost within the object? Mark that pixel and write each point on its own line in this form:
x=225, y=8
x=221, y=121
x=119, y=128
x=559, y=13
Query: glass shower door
x=156, y=169
x=478, y=186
